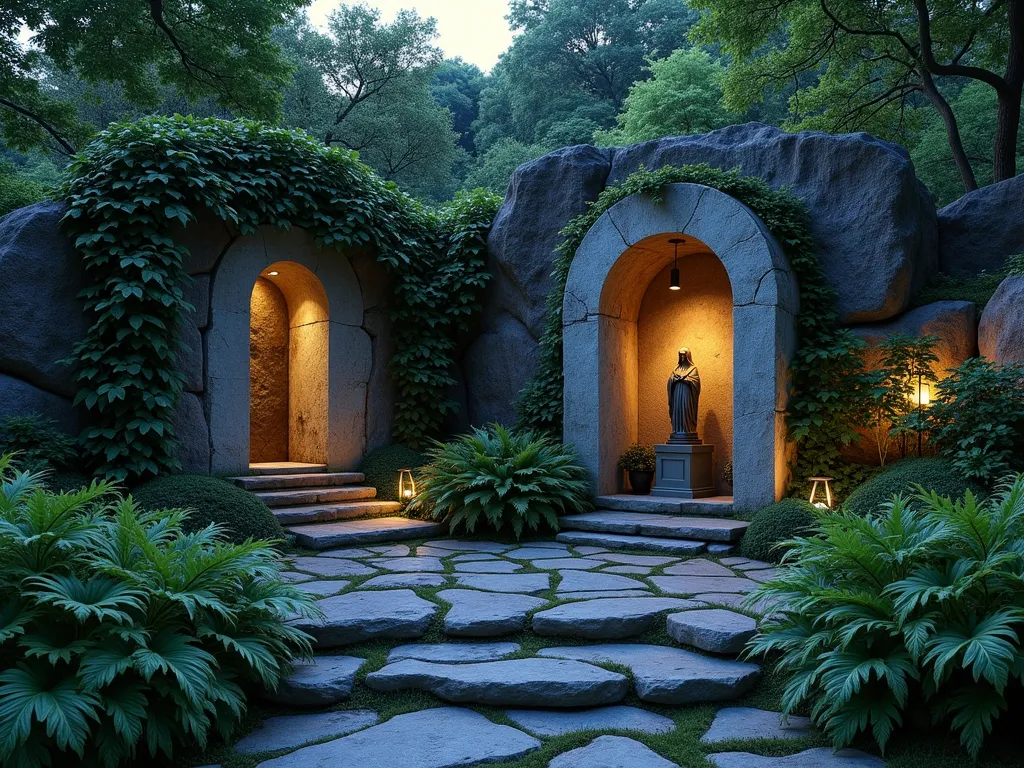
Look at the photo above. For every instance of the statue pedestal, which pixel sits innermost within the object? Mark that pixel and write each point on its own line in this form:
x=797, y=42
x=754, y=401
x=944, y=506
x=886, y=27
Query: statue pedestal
x=684, y=471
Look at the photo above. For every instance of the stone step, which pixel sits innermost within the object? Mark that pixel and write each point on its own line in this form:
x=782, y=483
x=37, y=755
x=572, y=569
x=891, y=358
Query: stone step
x=709, y=529
x=285, y=468
x=607, y=619
x=300, y=480
x=357, y=532
x=372, y=615
x=300, y=496
x=621, y=542
x=715, y=506
x=512, y=683
x=319, y=513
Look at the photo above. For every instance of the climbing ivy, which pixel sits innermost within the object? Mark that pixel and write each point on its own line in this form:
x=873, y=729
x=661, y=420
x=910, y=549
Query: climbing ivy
x=138, y=181
x=820, y=416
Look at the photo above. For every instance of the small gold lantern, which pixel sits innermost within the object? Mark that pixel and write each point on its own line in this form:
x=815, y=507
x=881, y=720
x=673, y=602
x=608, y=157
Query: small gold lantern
x=406, y=485
x=824, y=484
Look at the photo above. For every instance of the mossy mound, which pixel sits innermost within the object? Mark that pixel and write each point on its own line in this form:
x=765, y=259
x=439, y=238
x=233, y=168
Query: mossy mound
x=903, y=477
x=774, y=524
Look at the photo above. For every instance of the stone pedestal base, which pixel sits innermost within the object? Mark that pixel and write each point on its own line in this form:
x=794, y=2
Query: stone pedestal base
x=684, y=471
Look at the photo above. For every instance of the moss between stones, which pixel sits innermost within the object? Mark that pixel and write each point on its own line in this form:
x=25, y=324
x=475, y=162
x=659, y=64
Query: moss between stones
x=774, y=524
x=902, y=478
x=212, y=501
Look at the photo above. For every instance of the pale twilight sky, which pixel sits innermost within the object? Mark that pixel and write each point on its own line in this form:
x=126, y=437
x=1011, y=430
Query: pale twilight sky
x=476, y=30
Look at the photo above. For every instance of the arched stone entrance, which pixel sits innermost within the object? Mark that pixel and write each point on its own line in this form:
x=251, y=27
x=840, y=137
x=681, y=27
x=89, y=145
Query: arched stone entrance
x=606, y=347
x=329, y=355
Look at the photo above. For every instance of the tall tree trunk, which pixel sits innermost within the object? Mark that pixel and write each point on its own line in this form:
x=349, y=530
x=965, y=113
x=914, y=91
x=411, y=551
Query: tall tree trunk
x=1008, y=119
x=956, y=144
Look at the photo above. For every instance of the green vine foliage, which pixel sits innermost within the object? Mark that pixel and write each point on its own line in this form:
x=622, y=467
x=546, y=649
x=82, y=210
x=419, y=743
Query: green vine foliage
x=138, y=181
x=829, y=392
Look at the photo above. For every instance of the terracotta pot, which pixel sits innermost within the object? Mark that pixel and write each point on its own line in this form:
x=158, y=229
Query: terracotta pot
x=641, y=482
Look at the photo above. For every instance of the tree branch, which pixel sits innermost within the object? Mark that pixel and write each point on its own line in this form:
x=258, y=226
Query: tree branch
x=65, y=146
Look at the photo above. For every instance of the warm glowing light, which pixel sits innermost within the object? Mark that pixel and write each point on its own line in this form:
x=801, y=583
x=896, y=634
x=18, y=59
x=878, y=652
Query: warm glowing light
x=674, y=283
x=921, y=395
x=822, y=482
x=275, y=273
x=406, y=485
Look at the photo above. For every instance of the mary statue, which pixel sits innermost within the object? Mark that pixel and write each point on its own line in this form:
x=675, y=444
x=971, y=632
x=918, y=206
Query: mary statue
x=683, y=395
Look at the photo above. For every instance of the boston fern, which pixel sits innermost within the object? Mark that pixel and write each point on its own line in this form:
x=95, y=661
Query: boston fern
x=120, y=636
x=919, y=609
x=503, y=478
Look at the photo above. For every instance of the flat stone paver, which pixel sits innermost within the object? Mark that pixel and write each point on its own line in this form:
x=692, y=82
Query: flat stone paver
x=750, y=565
x=604, y=593
x=721, y=549
x=319, y=682
x=390, y=580
x=669, y=675
x=717, y=529
x=368, y=615
x=348, y=533
x=486, y=614
x=626, y=559
x=454, y=546
x=291, y=731
x=634, y=570
x=350, y=553
x=612, y=752
x=546, y=722
x=538, y=553
x=582, y=581
x=410, y=565
x=443, y=737
x=473, y=556
x=761, y=576
x=732, y=562
x=513, y=683
x=392, y=550
x=607, y=619
x=323, y=588
x=714, y=630
x=692, y=585
x=295, y=578
x=568, y=563
x=453, y=653
x=721, y=598
x=524, y=583
x=331, y=566
x=432, y=552
x=488, y=566
x=698, y=567
x=588, y=551
x=748, y=723
x=639, y=543
x=822, y=757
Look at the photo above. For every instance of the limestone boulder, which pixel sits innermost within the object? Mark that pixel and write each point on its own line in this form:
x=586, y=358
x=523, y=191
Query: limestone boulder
x=1001, y=334
x=978, y=231
x=19, y=398
x=41, y=316
x=873, y=222
x=496, y=366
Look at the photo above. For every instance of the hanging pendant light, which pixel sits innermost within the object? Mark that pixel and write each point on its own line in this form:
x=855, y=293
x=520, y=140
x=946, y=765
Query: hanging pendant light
x=674, y=283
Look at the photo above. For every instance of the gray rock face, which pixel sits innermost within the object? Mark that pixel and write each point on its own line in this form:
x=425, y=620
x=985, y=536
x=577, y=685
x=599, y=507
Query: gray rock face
x=19, y=398
x=40, y=278
x=670, y=675
x=747, y=723
x=612, y=752
x=358, y=616
x=715, y=630
x=608, y=619
x=978, y=231
x=822, y=757
x=525, y=583
x=873, y=221
x=192, y=433
x=295, y=730
x=954, y=322
x=543, y=196
x=486, y=614
x=453, y=653
x=1001, y=335
x=619, y=718
x=445, y=737
x=516, y=683
x=320, y=682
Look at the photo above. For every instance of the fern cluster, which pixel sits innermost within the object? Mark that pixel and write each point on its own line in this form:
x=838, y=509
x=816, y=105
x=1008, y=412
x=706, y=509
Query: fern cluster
x=502, y=478
x=121, y=636
x=919, y=609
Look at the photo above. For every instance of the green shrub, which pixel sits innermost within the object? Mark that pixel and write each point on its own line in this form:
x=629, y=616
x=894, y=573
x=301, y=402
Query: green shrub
x=120, y=636
x=503, y=479
x=65, y=482
x=773, y=525
x=638, y=458
x=903, y=477
x=16, y=191
x=381, y=468
x=977, y=420
x=211, y=500
x=916, y=610
x=38, y=442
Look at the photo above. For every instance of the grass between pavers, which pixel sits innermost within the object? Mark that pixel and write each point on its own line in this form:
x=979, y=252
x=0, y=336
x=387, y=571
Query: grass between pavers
x=682, y=745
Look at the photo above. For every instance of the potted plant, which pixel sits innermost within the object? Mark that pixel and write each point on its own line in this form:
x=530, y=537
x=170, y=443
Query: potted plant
x=638, y=461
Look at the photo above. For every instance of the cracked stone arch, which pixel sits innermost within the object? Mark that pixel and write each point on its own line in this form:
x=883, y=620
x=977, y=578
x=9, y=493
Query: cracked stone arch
x=612, y=271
